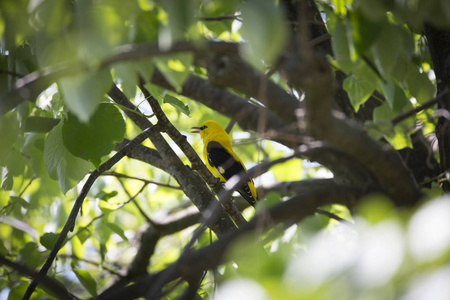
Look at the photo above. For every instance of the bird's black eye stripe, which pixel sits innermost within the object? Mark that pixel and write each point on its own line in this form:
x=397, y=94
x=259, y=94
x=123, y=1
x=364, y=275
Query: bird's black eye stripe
x=203, y=127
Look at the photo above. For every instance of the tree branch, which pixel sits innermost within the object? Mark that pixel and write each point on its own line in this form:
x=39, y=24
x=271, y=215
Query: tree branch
x=190, y=153
x=192, y=185
x=70, y=223
x=213, y=255
x=55, y=287
x=31, y=85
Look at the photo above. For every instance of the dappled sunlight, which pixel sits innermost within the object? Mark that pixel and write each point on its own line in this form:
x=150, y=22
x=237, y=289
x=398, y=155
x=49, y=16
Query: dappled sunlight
x=429, y=230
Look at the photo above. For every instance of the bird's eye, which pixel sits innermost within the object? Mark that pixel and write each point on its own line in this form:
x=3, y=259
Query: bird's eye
x=203, y=127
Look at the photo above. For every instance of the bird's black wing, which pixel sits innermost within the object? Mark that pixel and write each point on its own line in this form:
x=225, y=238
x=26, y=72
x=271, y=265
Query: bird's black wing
x=228, y=166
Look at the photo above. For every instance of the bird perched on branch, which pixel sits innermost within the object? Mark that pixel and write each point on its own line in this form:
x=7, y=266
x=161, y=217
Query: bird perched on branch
x=221, y=160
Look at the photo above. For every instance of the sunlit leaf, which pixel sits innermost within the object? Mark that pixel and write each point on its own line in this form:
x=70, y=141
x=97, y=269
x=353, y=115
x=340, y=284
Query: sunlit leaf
x=175, y=68
x=358, y=91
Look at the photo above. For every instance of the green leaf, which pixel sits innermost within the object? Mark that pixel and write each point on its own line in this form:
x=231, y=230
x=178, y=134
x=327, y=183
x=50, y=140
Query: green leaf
x=97, y=138
x=395, y=97
x=15, y=163
x=83, y=92
x=157, y=92
x=116, y=229
x=33, y=149
x=146, y=68
x=9, y=130
x=3, y=249
x=126, y=72
x=358, y=90
x=181, y=16
x=106, y=196
x=398, y=136
x=83, y=235
x=178, y=104
x=365, y=32
x=87, y=281
x=60, y=164
x=419, y=85
x=48, y=240
x=341, y=45
x=175, y=68
x=386, y=56
x=7, y=181
x=339, y=7
x=264, y=27
x=22, y=202
x=30, y=256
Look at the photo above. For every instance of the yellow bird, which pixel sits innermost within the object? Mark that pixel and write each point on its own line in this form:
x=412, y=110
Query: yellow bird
x=221, y=160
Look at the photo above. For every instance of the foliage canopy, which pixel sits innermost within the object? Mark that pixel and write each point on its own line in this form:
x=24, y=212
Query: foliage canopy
x=343, y=113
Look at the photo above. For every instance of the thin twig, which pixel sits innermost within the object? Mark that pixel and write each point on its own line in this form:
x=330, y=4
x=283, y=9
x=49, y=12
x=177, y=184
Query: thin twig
x=70, y=223
x=415, y=110
x=120, y=175
x=11, y=73
x=53, y=285
x=220, y=18
x=91, y=262
x=133, y=199
x=190, y=153
x=332, y=216
x=86, y=226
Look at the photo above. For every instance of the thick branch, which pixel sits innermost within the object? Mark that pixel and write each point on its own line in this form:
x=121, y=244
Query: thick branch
x=190, y=153
x=31, y=85
x=234, y=72
x=224, y=102
x=381, y=160
x=439, y=45
x=56, y=288
x=193, y=186
x=212, y=256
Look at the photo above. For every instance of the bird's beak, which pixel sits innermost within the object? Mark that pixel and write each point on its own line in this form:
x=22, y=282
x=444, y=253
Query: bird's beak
x=195, y=129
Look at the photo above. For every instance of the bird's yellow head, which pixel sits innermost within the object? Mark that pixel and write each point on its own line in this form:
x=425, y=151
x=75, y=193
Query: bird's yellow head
x=208, y=129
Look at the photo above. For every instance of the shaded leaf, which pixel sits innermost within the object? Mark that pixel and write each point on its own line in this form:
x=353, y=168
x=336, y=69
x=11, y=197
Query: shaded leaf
x=87, y=281
x=178, y=104
x=365, y=31
x=97, y=138
x=30, y=256
x=264, y=27
x=83, y=92
x=48, y=240
x=9, y=130
x=60, y=164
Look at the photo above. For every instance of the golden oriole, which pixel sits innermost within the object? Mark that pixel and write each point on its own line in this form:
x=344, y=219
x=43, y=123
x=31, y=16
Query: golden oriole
x=221, y=160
